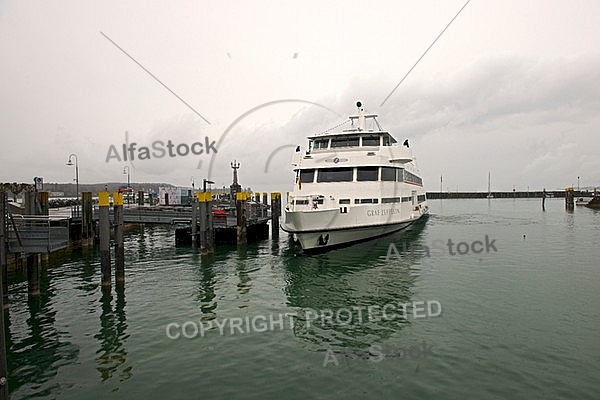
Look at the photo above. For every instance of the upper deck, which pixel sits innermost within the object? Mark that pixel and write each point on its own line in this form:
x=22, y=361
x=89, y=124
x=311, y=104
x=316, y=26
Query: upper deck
x=365, y=143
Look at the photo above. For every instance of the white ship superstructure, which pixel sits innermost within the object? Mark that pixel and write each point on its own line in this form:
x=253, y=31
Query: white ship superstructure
x=353, y=185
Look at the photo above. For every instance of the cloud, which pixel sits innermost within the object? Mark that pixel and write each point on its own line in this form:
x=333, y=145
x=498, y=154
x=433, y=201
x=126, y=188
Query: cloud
x=532, y=122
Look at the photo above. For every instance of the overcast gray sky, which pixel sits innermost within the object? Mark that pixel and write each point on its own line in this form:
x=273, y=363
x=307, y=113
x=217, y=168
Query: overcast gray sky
x=512, y=87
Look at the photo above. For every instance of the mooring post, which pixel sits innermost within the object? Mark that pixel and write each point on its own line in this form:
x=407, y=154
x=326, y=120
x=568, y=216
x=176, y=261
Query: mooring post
x=29, y=203
x=104, y=227
x=206, y=228
x=33, y=275
x=3, y=253
x=32, y=207
x=210, y=235
x=265, y=206
x=43, y=205
x=240, y=206
x=569, y=198
x=275, y=213
x=3, y=295
x=86, y=215
x=119, y=244
x=141, y=198
x=544, y=199
x=195, y=207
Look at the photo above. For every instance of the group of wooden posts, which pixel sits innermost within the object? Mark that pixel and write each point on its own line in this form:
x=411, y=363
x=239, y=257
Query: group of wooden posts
x=202, y=217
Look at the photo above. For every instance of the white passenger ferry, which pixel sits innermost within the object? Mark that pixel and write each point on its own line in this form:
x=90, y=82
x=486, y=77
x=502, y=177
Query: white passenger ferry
x=353, y=185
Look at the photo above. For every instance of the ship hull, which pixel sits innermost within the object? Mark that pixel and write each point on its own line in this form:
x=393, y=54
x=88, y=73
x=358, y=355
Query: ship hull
x=325, y=237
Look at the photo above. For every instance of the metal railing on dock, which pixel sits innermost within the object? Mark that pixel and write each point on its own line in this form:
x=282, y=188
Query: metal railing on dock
x=36, y=234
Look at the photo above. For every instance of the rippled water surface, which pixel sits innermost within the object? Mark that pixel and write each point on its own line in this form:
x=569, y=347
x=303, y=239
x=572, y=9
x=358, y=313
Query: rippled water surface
x=519, y=322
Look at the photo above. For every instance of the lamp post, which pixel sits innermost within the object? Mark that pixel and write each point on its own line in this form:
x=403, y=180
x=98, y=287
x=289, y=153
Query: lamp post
x=70, y=163
x=128, y=180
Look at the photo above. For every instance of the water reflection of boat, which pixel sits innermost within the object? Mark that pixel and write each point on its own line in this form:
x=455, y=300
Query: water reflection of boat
x=352, y=278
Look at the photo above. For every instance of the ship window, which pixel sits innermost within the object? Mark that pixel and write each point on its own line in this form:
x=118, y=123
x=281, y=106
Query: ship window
x=366, y=201
x=410, y=177
x=386, y=140
x=390, y=200
x=344, y=201
x=370, y=141
x=367, y=173
x=400, y=175
x=421, y=198
x=307, y=175
x=388, y=174
x=321, y=144
x=406, y=199
x=335, y=175
x=344, y=142
x=301, y=202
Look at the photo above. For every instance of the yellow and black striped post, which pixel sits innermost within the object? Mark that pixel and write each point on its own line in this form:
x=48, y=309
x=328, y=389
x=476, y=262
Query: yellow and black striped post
x=119, y=242
x=104, y=228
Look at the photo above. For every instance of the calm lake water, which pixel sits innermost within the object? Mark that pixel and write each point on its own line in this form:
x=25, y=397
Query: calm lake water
x=521, y=322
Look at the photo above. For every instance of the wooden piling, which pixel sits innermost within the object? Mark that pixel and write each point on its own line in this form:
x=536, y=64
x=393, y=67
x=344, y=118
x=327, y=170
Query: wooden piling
x=119, y=244
x=544, y=200
x=86, y=215
x=569, y=199
x=104, y=228
x=210, y=233
x=33, y=275
x=3, y=254
x=206, y=223
x=265, y=206
x=43, y=205
x=240, y=206
x=195, y=206
x=141, y=198
x=3, y=295
x=29, y=201
x=275, y=213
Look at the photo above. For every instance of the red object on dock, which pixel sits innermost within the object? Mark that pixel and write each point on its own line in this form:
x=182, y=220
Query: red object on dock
x=220, y=214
